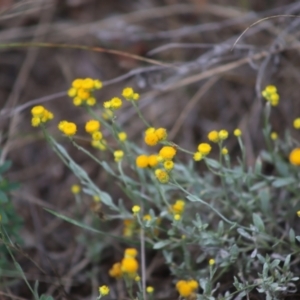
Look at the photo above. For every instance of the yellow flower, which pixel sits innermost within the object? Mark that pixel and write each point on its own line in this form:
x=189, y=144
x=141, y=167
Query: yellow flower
x=151, y=139
x=118, y=154
x=204, y=148
x=77, y=83
x=147, y=218
x=152, y=160
x=97, y=84
x=130, y=252
x=237, y=132
x=128, y=93
x=115, y=103
x=122, y=136
x=115, y=271
x=274, y=136
x=77, y=101
x=136, y=96
x=223, y=134
x=213, y=136
x=35, y=121
x=178, y=207
x=296, y=123
x=167, y=152
x=271, y=95
x=75, y=189
x=193, y=284
x=136, y=209
x=150, y=130
x=101, y=145
x=224, y=151
x=107, y=104
x=92, y=126
x=37, y=111
x=104, y=290
x=298, y=213
x=137, y=278
x=91, y=101
x=142, y=161
x=294, y=157
x=211, y=262
x=68, y=128
x=72, y=92
x=162, y=176
x=129, y=265
x=96, y=198
x=83, y=94
x=97, y=136
x=169, y=165
x=149, y=289
x=184, y=289
x=88, y=83
x=177, y=217
x=161, y=133
x=197, y=156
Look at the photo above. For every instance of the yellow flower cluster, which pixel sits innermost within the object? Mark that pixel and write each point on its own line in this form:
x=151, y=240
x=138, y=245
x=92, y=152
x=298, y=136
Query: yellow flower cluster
x=187, y=288
x=129, y=94
x=40, y=115
x=122, y=136
x=113, y=104
x=215, y=136
x=82, y=91
x=128, y=265
x=271, y=95
x=203, y=150
x=154, y=136
x=177, y=209
x=144, y=161
x=294, y=157
x=129, y=227
x=68, y=128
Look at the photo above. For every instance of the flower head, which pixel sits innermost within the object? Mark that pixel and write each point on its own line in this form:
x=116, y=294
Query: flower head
x=271, y=95
x=168, y=165
x=197, y=156
x=213, y=136
x=115, y=271
x=298, y=213
x=40, y=115
x=68, y=128
x=136, y=209
x=118, y=154
x=223, y=134
x=274, y=136
x=122, y=136
x=178, y=207
x=237, y=132
x=186, y=288
x=161, y=134
x=167, y=152
x=92, y=126
x=296, y=123
x=130, y=252
x=149, y=289
x=204, y=148
x=129, y=265
x=115, y=103
x=294, y=157
x=224, y=151
x=151, y=139
x=162, y=176
x=211, y=262
x=152, y=160
x=142, y=161
x=75, y=189
x=104, y=290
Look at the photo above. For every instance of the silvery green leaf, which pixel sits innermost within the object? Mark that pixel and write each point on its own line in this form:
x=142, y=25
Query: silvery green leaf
x=244, y=233
x=107, y=168
x=161, y=244
x=298, y=238
x=265, y=270
x=253, y=254
x=264, y=197
x=261, y=258
x=212, y=163
x=292, y=236
x=257, y=186
x=258, y=222
x=287, y=261
x=275, y=263
x=281, y=182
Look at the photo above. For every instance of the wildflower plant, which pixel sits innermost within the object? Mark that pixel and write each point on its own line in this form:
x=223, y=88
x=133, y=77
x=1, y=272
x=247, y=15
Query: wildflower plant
x=216, y=223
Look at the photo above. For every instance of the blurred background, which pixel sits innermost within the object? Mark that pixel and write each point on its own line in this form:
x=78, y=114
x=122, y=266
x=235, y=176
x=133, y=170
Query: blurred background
x=196, y=70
